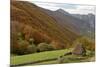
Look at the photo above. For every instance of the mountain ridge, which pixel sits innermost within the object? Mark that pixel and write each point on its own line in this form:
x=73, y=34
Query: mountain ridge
x=38, y=25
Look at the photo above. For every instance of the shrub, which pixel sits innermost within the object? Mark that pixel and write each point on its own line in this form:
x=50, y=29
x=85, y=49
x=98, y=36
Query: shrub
x=44, y=47
x=21, y=47
x=24, y=47
x=86, y=42
x=15, y=38
x=31, y=49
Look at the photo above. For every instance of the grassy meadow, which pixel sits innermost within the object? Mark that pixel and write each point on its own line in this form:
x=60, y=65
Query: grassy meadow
x=49, y=57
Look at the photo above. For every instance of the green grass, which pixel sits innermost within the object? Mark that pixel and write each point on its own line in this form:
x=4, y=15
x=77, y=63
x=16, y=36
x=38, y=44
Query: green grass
x=68, y=59
x=37, y=56
x=46, y=62
x=49, y=55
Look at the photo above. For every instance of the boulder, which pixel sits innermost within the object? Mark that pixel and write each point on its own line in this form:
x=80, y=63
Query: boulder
x=79, y=50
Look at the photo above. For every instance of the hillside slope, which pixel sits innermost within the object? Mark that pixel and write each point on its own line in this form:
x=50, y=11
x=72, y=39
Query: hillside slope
x=28, y=19
x=66, y=19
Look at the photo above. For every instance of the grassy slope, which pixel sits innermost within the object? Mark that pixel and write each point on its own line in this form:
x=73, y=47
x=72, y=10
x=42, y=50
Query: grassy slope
x=37, y=56
x=67, y=59
x=49, y=55
x=71, y=59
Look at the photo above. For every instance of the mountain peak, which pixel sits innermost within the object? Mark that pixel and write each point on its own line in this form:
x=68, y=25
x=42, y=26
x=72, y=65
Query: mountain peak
x=62, y=11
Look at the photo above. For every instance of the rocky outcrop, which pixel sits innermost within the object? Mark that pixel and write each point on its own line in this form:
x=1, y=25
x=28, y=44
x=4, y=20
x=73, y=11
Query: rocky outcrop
x=79, y=50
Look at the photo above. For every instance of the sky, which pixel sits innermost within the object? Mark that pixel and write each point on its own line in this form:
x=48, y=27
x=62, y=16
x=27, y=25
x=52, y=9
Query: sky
x=71, y=6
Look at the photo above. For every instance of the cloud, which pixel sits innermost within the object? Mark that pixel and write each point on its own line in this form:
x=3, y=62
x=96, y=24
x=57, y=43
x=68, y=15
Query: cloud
x=91, y=8
x=71, y=8
x=82, y=10
x=73, y=11
x=58, y=5
x=85, y=9
x=66, y=6
x=45, y=4
x=89, y=2
x=49, y=6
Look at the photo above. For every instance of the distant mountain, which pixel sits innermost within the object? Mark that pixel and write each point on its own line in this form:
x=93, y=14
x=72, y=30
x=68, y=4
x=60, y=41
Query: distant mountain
x=33, y=22
x=90, y=18
x=68, y=21
x=62, y=11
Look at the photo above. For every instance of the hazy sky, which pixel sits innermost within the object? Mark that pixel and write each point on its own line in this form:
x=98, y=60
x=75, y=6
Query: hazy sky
x=91, y=2
x=71, y=7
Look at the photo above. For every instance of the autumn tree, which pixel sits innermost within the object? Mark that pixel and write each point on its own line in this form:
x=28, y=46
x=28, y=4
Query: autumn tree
x=44, y=47
x=87, y=43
